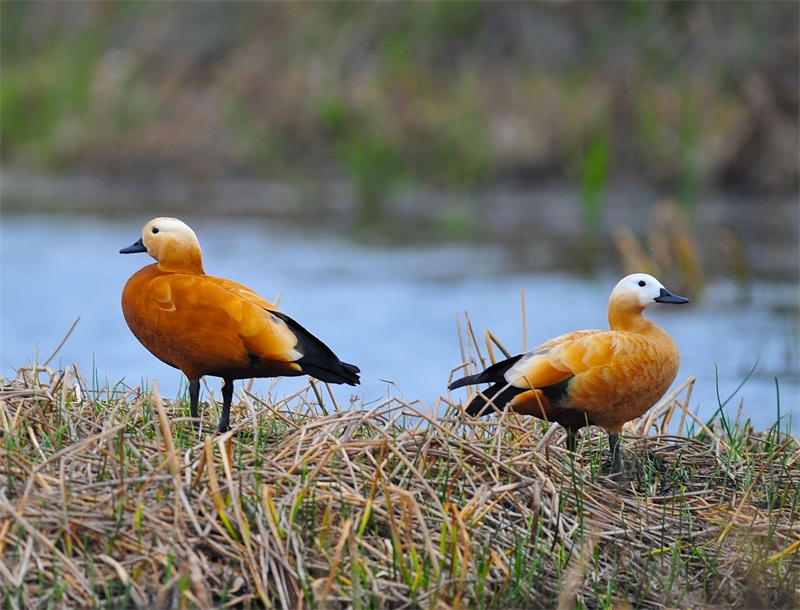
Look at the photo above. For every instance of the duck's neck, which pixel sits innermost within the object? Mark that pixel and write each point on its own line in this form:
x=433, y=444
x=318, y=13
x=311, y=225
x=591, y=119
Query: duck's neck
x=179, y=259
x=632, y=321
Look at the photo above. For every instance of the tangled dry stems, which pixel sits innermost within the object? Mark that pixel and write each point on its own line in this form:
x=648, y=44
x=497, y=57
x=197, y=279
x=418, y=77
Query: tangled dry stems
x=113, y=499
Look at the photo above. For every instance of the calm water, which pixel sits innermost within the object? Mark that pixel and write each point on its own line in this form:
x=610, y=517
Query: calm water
x=391, y=311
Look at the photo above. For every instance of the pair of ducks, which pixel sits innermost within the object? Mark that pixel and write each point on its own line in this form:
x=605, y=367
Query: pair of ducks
x=206, y=325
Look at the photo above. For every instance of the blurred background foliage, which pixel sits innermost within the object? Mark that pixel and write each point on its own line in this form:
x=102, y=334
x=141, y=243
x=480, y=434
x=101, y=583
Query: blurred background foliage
x=449, y=97
x=453, y=95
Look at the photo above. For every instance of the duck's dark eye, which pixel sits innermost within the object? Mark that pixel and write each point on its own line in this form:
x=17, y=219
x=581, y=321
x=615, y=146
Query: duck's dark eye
x=641, y=282
x=155, y=230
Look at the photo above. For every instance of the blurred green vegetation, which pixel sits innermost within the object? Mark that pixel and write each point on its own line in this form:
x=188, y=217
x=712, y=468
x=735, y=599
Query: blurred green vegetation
x=449, y=95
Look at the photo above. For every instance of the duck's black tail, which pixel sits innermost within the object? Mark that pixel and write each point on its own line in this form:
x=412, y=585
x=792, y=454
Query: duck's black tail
x=342, y=372
x=495, y=397
x=318, y=359
x=499, y=394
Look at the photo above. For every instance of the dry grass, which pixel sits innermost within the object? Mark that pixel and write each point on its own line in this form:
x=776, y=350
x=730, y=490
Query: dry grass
x=110, y=499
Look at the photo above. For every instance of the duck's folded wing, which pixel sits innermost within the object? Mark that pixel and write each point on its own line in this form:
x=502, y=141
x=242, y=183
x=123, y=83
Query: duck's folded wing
x=603, y=349
x=608, y=366
x=242, y=291
x=556, y=360
x=258, y=333
x=203, y=312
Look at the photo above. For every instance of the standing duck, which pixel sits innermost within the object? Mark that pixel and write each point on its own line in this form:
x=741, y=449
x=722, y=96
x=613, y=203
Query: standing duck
x=590, y=377
x=205, y=325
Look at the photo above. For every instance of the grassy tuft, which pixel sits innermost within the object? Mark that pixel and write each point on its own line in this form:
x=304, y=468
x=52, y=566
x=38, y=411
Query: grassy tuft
x=110, y=498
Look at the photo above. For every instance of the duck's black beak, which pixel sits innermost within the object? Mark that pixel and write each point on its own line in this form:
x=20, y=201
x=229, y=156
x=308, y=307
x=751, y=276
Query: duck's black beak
x=134, y=248
x=667, y=297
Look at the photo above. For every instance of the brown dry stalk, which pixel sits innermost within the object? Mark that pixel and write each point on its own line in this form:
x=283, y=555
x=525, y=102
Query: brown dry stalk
x=394, y=506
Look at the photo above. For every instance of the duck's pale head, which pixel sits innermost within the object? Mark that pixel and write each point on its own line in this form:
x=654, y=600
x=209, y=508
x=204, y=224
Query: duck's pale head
x=172, y=243
x=632, y=295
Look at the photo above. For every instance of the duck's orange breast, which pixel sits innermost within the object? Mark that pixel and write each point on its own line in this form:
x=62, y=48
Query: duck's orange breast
x=207, y=326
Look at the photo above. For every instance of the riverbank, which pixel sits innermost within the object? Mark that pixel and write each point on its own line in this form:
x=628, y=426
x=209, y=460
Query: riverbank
x=544, y=228
x=110, y=499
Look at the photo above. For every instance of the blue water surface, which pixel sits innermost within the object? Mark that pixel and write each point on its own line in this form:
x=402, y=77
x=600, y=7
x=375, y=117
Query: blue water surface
x=391, y=311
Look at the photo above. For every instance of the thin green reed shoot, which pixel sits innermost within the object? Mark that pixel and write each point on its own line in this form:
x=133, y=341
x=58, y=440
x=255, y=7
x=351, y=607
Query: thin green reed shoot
x=484, y=515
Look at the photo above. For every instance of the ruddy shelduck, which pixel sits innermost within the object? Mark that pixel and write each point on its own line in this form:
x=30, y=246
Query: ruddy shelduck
x=205, y=325
x=590, y=377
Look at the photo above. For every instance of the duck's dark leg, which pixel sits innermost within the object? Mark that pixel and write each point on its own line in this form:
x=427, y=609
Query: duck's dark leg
x=227, y=398
x=194, y=397
x=616, y=453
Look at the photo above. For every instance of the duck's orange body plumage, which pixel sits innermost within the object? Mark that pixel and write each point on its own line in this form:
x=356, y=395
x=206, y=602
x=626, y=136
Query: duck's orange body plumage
x=205, y=325
x=604, y=378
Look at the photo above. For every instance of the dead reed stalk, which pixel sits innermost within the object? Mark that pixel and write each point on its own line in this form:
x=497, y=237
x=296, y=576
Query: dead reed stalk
x=108, y=498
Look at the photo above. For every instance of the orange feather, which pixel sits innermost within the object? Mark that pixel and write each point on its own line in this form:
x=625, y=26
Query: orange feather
x=604, y=378
x=205, y=325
